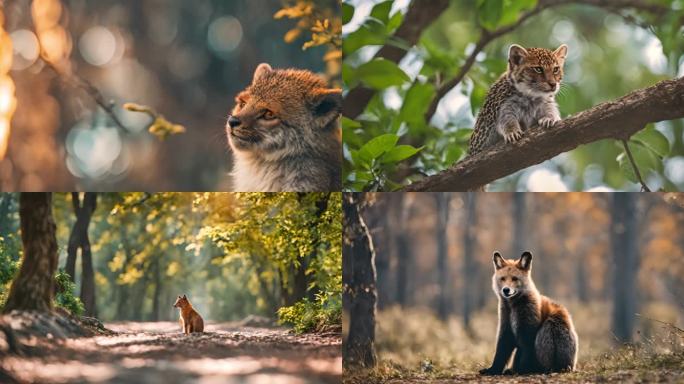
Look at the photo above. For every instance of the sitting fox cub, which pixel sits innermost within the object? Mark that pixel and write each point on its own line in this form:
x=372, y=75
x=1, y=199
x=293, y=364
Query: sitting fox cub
x=190, y=320
x=540, y=331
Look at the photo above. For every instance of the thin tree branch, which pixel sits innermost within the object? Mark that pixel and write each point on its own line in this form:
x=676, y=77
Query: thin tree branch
x=420, y=14
x=644, y=187
x=617, y=119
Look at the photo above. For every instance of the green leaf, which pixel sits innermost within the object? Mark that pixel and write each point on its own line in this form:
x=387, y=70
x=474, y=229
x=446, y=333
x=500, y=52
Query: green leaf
x=652, y=139
x=399, y=153
x=645, y=159
x=416, y=103
x=349, y=124
x=347, y=13
x=349, y=76
x=372, y=32
x=382, y=10
x=490, y=12
x=513, y=8
x=377, y=146
x=381, y=73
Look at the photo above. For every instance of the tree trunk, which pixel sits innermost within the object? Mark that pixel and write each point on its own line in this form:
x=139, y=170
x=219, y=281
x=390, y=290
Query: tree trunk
x=34, y=287
x=624, y=241
x=442, y=207
x=157, y=289
x=358, y=285
x=78, y=239
x=403, y=248
x=469, y=267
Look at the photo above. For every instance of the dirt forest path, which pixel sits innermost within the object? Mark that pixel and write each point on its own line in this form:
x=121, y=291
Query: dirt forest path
x=156, y=352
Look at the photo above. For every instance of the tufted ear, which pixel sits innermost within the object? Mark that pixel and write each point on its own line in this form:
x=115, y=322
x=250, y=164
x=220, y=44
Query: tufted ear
x=184, y=297
x=261, y=70
x=499, y=262
x=525, y=261
x=326, y=106
x=561, y=52
x=516, y=55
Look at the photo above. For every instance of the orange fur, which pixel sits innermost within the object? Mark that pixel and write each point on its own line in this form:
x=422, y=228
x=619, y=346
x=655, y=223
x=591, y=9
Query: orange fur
x=190, y=320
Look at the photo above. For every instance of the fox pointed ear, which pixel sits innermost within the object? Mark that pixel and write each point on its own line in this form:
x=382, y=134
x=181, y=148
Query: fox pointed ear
x=326, y=106
x=525, y=261
x=516, y=55
x=499, y=262
x=561, y=52
x=261, y=70
x=184, y=297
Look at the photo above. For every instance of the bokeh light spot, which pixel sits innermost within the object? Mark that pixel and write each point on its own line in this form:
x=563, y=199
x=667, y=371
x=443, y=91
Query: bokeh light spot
x=97, y=46
x=26, y=49
x=225, y=34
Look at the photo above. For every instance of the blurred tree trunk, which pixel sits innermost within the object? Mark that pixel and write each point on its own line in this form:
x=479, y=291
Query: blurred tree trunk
x=404, y=257
x=78, y=239
x=358, y=285
x=624, y=241
x=157, y=289
x=519, y=231
x=34, y=287
x=442, y=206
x=379, y=223
x=581, y=278
x=469, y=267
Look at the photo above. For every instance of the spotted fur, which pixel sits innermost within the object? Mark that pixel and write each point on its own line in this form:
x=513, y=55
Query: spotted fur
x=285, y=135
x=524, y=96
x=539, y=330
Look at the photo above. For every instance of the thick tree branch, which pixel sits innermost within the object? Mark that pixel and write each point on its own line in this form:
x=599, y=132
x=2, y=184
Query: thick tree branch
x=618, y=119
x=420, y=14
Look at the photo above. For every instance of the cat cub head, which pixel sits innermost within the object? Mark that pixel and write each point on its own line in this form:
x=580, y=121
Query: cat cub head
x=282, y=111
x=536, y=72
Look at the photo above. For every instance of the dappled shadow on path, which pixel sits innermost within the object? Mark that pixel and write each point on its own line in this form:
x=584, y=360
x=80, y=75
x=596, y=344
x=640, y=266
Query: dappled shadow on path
x=159, y=353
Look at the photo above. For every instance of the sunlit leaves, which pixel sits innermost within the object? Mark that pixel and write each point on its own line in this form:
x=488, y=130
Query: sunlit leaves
x=160, y=127
x=496, y=13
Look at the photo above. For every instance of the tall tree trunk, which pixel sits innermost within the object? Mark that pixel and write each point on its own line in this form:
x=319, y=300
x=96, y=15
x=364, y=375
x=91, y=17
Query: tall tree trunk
x=34, y=287
x=358, y=285
x=442, y=206
x=157, y=289
x=403, y=248
x=624, y=241
x=469, y=267
x=78, y=239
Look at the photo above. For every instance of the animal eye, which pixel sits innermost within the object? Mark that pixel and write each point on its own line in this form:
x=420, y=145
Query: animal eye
x=555, y=69
x=503, y=279
x=515, y=278
x=538, y=69
x=268, y=115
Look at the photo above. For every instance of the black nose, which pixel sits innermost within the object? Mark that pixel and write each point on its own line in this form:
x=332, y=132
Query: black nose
x=233, y=121
x=506, y=290
x=552, y=84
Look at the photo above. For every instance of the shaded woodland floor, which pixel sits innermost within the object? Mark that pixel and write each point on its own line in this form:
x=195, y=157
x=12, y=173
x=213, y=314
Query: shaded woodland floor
x=415, y=347
x=156, y=352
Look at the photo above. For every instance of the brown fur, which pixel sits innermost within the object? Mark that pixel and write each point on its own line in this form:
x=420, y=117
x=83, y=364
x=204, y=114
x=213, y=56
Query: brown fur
x=539, y=330
x=190, y=320
x=285, y=134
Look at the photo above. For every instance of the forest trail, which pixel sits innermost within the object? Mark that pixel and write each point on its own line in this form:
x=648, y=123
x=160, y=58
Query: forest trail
x=157, y=352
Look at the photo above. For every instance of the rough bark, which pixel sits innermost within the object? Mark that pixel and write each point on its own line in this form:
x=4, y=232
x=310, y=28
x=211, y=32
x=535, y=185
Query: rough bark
x=624, y=244
x=442, y=207
x=358, y=286
x=617, y=119
x=420, y=14
x=34, y=287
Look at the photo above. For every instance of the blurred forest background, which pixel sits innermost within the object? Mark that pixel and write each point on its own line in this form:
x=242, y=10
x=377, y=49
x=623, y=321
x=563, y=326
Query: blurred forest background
x=234, y=255
x=416, y=123
x=68, y=66
x=615, y=260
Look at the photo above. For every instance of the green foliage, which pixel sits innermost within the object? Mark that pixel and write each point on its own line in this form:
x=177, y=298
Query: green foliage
x=308, y=316
x=9, y=265
x=65, y=294
x=402, y=96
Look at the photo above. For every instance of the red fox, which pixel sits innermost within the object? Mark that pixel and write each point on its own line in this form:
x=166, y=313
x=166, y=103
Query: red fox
x=190, y=320
x=540, y=331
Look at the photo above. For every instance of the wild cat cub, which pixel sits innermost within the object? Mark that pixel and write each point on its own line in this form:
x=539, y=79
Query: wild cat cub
x=524, y=96
x=539, y=330
x=284, y=133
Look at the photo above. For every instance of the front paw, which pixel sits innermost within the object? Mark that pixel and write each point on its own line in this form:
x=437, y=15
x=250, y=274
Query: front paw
x=513, y=135
x=508, y=371
x=548, y=122
x=489, y=372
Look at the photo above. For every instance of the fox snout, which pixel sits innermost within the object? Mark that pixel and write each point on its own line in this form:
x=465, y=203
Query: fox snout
x=508, y=292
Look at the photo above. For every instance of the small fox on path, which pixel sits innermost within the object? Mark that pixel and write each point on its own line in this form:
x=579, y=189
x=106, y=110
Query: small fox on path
x=190, y=320
x=540, y=331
